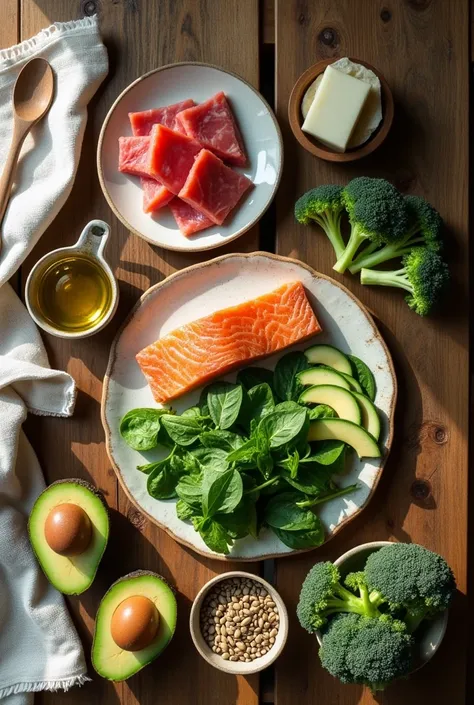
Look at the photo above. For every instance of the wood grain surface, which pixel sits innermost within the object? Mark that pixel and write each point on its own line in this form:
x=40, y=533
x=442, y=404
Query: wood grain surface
x=422, y=48
x=139, y=36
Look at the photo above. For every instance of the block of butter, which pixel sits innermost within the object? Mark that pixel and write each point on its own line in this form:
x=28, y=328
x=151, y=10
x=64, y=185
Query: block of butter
x=336, y=108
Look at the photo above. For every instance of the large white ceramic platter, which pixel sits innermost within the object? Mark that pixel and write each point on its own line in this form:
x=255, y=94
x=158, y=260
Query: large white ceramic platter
x=172, y=84
x=201, y=290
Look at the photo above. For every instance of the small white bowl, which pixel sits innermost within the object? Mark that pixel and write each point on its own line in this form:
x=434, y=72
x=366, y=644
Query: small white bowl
x=216, y=660
x=428, y=636
x=92, y=243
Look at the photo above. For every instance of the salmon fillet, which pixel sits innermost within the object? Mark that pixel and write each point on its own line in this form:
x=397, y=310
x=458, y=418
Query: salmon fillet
x=195, y=353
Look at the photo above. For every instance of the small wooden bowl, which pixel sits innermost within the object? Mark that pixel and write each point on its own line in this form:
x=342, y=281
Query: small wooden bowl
x=315, y=147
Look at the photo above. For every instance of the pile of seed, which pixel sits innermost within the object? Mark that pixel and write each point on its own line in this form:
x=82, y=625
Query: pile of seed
x=239, y=620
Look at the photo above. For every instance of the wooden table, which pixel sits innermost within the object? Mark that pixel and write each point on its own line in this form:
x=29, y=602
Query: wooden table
x=422, y=47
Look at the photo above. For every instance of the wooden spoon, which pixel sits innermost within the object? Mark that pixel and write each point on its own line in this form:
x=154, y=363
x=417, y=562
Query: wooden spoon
x=32, y=97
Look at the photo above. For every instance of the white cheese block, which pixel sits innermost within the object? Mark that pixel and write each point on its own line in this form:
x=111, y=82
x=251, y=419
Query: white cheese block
x=336, y=108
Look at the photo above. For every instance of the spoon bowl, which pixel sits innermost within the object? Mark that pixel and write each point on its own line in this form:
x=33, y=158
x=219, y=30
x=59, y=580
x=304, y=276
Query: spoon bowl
x=33, y=90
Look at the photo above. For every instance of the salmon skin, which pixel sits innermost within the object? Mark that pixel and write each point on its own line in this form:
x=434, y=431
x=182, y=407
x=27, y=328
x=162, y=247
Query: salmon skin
x=195, y=353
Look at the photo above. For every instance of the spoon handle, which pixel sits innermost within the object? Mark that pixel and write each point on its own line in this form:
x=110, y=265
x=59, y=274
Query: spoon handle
x=20, y=130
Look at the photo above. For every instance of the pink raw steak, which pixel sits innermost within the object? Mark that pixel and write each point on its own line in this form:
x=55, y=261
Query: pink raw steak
x=155, y=195
x=213, y=125
x=143, y=122
x=133, y=155
x=213, y=188
x=188, y=219
x=171, y=157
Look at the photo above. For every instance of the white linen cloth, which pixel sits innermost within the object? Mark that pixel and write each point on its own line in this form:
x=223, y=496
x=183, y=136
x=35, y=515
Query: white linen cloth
x=39, y=647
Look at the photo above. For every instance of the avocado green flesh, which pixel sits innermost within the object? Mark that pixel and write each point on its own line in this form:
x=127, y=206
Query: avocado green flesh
x=339, y=399
x=322, y=375
x=108, y=659
x=341, y=430
x=330, y=356
x=370, y=417
x=353, y=383
x=70, y=575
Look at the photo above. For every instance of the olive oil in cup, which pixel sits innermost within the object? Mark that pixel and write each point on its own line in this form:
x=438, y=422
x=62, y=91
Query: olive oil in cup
x=71, y=292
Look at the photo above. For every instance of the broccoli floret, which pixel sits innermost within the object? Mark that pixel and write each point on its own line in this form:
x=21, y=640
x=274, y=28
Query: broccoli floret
x=412, y=579
x=323, y=595
x=424, y=275
x=367, y=651
x=377, y=212
x=425, y=229
x=324, y=206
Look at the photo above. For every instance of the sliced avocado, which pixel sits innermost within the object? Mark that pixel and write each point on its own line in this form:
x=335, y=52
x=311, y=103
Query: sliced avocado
x=330, y=356
x=322, y=375
x=110, y=660
x=341, y=400
x=70, y=574
x=370, y=417
x=353, y=383
x=341, y=430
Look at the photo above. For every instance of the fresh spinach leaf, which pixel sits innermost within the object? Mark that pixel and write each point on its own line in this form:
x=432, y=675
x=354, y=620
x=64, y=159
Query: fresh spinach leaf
x=299, y=540
x=139, y=428
x=364, y=376
x=324, y=452
x=225, y=440
x=261, y=401
x=241, y=522
x=286, y=383
x=224, y=401
x=281, y=512
x=192, y=412
x=265, y=464
x=280, y=426
x=213, y=534
x=291, y=463
x=184, y=511
x=221, y=492
x=245, y=454
x=321, y=411
x=252, y=376
x=211, y=458
x=311, y=479
x=189, y=489
x=183, y=430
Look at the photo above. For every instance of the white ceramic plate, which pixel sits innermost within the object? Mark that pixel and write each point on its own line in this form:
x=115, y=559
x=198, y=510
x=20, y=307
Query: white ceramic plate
x=200, y=290
x=168, y=85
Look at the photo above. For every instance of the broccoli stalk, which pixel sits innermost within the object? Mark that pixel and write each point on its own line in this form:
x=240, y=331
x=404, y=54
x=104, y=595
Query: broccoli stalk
x=324, y=206
x=426, y=226
x=411, y=580
x=377, y=212
x=322, y=595
x=372, y=652
x=424, y=276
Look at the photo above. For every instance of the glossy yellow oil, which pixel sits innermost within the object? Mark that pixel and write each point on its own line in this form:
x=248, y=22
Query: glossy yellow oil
x=73, y=294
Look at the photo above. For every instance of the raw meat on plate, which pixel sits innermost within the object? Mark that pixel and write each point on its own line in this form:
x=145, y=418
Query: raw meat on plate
x=155, y=195
x=213, y=188
x=143, y=121
x=133, y=155
x=213, y=345
x=188, y=219
x=212, y=124
x=171, y=157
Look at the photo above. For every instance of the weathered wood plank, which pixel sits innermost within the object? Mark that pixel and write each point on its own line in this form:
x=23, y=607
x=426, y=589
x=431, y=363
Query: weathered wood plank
x=139, y=37
x=422, y=48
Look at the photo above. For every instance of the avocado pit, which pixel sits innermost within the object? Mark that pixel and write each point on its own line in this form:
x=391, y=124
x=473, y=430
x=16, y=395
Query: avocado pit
x=68, y=530
x=134, y=623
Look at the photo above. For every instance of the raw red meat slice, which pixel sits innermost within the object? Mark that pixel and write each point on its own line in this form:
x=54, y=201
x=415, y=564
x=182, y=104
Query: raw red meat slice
x=213, y=188
x=188, y=219
x=213, y=125
x=171, y=156
x=155, y=195
x=133, y=155
x=143, y=122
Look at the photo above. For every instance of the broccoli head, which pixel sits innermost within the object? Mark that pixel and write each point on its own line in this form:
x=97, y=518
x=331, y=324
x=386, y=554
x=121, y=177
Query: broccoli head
x=323, y=595
x=367, y=651
x=324, y=206
x=377, y=212
x=424, y=275
x=411, y=578
x=425, y=230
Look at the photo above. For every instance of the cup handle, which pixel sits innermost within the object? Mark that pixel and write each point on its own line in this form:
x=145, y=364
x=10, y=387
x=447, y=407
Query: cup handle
x=94, y=238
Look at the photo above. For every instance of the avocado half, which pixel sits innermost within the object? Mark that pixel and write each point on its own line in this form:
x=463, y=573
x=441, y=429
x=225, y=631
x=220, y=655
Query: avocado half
x=108, y=659
x=70, y=575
